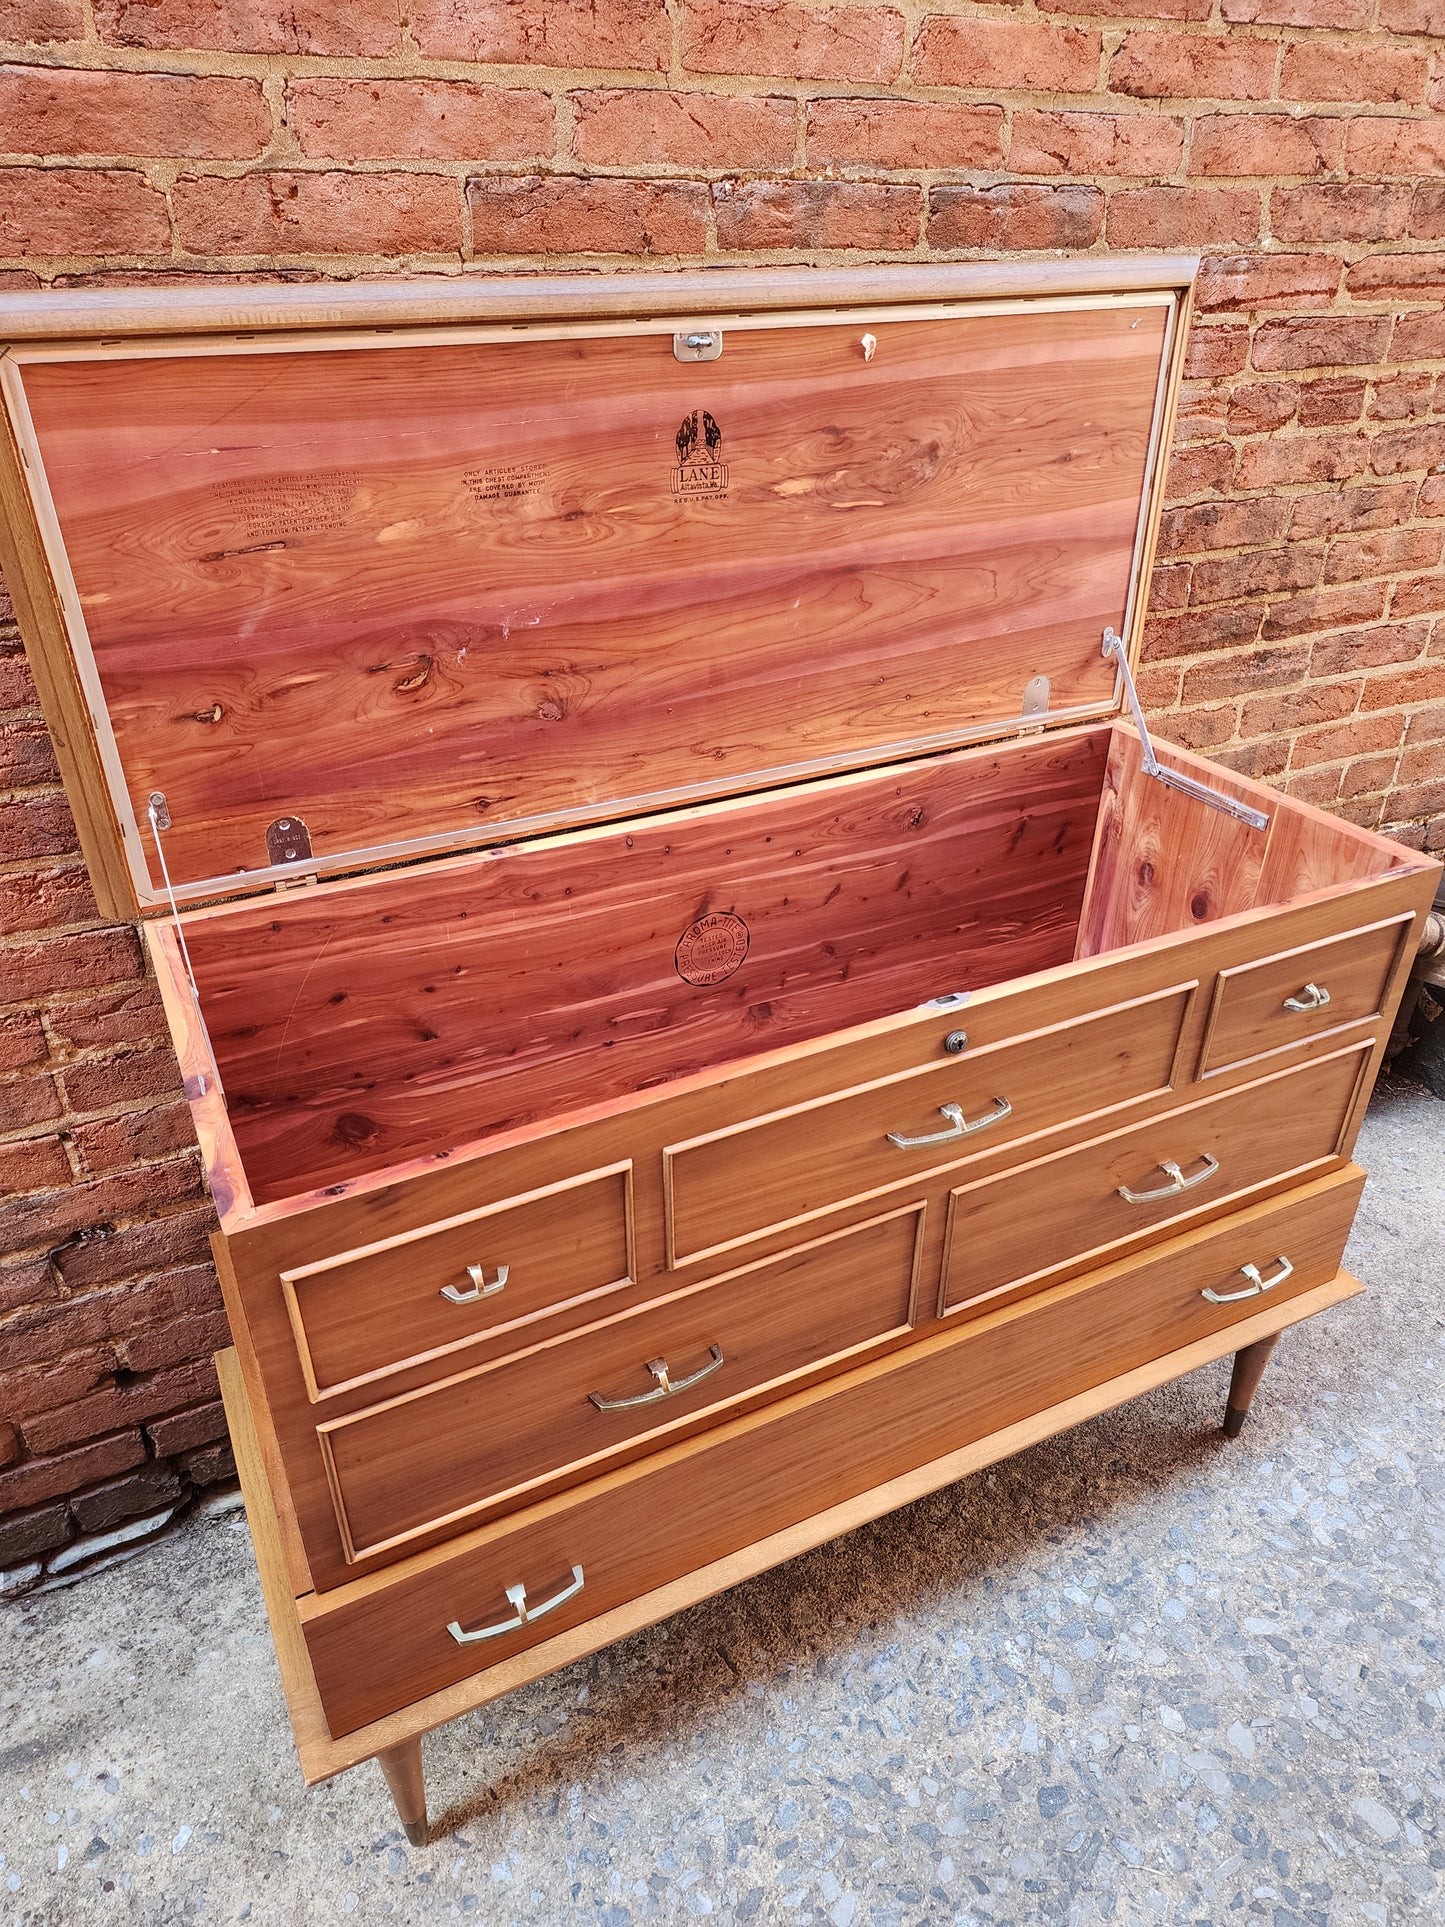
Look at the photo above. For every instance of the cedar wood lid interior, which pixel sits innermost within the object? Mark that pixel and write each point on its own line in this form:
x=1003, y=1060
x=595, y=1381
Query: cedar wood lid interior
x=445, y=587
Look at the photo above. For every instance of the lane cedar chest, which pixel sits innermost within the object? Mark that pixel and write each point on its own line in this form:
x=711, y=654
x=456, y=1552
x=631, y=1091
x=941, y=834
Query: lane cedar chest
x=705, y=1014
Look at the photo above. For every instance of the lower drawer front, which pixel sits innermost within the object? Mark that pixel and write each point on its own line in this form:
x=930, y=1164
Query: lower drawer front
x=386, y=1642
x=1005, y=1231
x=433, y=1456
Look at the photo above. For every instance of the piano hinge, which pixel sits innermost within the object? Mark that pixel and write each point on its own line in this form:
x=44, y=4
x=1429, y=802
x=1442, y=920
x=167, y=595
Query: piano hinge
x=1171, y=778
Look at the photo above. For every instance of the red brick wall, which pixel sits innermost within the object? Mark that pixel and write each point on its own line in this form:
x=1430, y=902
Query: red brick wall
x=1298, y=602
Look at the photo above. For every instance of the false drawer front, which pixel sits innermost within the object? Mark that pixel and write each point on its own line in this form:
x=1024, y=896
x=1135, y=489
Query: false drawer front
x=431, y=1292
x=1278, y=1001
x=391, y=1639
x=754, y=1177
x=1007, y=1231
x=435, y=1456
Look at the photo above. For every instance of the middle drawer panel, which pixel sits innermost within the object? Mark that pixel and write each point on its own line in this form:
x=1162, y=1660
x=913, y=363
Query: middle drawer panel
x=735, y=1184
x=440, y=1454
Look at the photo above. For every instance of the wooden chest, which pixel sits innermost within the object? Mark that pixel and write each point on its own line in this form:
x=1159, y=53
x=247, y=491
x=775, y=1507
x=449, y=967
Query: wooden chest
x=703, y=1020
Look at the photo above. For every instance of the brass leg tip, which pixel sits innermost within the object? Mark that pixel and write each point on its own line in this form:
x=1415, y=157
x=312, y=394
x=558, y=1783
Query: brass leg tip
x=415, y=1832
x=1233, y=1421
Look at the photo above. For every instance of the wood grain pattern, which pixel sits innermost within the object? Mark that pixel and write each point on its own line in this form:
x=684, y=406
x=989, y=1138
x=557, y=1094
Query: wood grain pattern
x=364, y=1313
x=730, y=1185
x=358, y=1024
x=1021, y=1226
x=1250, y=1017
x=38, y=609
x=413, y=1192
x=386, y=1644
x=440, y=1454
x=1163, y=862
x=210, y=1119
x=412, y=1198
x=1309, y=850
x=444, y=591
x=322, y=1757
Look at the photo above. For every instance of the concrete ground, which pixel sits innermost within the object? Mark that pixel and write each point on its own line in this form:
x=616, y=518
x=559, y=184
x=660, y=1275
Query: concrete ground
x=1134, y=1675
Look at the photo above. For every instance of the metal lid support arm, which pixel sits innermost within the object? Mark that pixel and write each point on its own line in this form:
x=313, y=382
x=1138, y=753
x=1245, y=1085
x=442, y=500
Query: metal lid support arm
x=1175, y=779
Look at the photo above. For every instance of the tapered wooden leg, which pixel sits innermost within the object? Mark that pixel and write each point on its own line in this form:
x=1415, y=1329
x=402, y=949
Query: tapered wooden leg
x=403, y=1770
x=1248, y=1371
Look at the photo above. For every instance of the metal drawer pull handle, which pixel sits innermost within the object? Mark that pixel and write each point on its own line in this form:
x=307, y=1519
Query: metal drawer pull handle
x=522, y=1615
x=665, y=1387
x=1312, y=997
x=1257, y=1285
x=1177, y=1181
x=481, y=1288
x=958, y=1125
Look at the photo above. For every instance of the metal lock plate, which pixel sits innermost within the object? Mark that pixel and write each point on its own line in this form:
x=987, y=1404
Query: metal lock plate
x=698, y=344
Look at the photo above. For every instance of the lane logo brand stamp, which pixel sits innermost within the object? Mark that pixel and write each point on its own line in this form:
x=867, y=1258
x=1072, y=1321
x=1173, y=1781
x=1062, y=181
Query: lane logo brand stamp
x=701, y=470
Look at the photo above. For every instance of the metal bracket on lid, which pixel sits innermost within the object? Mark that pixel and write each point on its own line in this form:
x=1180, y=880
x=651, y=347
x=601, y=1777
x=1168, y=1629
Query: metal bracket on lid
x=288, y=840
x=158, y=812
x=1171, y=778
x=698, y=344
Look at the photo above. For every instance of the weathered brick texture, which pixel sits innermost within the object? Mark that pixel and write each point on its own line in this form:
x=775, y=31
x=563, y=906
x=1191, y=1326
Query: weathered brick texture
x=1298, y=627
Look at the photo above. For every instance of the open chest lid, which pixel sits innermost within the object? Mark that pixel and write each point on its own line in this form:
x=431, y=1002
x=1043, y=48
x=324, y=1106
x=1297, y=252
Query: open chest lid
x=321, y=582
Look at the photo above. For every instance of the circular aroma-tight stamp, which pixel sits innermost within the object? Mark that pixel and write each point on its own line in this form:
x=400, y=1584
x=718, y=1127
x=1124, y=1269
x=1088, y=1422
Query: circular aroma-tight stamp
x=712, y=948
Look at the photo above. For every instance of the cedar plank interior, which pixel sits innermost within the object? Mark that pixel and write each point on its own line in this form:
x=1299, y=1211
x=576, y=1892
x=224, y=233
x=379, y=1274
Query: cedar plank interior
x=1166, y=862
x=358, y=1025
x=364, y=1023
x=439, y=591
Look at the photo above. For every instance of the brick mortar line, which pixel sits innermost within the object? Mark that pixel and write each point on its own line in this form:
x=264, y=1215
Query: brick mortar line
x=568, y=163
x=199, y=63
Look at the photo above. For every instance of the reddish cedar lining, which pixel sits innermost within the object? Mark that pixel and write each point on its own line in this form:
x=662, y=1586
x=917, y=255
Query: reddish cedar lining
x=437, y=591
x=361, y=1024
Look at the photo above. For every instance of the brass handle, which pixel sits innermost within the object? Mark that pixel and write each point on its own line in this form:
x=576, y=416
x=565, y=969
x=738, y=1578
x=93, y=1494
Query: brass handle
x=522, y=1615
x=958, y=1125
x=1177, y=1181
x=1312, y=997
x=481, y=1286
x=666, y=1386
x=1257, y=1285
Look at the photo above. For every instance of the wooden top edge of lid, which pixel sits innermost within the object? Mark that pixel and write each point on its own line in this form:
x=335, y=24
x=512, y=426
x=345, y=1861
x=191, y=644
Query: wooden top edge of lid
x=171, y=306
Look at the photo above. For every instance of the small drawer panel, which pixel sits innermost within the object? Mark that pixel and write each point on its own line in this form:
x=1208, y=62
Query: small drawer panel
x=1006, y=1231
x=374, y=1309
x=735, y=1184
x=1279, y=1001
x=437, y=1455
x=380, y=1645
